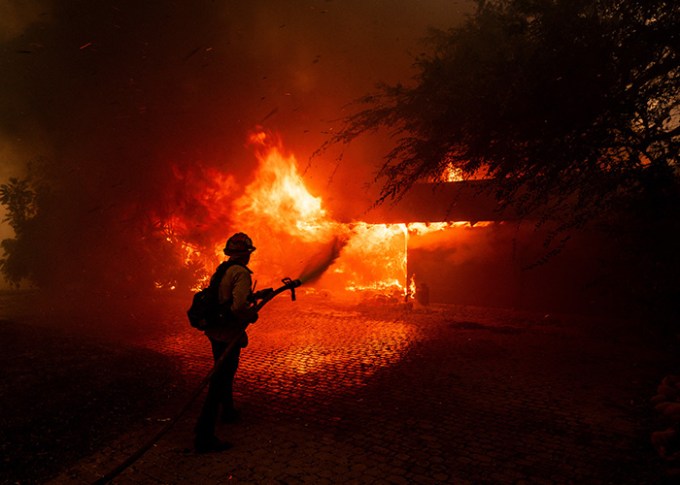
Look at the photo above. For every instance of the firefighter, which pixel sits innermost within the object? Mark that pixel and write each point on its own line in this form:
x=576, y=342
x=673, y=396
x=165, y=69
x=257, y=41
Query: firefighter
x=235, y=287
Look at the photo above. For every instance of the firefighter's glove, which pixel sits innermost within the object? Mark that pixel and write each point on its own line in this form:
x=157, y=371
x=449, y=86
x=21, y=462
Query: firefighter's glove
x=250, y=315
x=261, y=295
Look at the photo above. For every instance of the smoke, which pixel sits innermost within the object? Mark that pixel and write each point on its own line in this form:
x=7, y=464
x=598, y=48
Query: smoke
x=135, y=107
x=16, y=17
x=458, y=245
x=319, y=263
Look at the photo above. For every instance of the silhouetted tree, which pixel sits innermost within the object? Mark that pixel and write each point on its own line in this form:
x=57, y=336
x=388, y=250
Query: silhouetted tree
x=569, y=107
x=20, y=201
x=569, y=103
x=60, y=243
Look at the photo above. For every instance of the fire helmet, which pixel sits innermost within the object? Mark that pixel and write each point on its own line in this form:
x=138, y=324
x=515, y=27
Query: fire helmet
x=239, y=245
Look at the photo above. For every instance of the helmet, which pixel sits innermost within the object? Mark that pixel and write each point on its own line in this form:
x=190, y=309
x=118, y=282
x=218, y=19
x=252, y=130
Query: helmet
x=239, y=245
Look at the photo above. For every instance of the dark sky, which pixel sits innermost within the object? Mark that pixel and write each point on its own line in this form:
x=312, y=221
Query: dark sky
x=113, y=94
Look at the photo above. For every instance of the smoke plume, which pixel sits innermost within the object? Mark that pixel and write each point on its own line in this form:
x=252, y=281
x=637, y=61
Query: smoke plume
x=137, y=110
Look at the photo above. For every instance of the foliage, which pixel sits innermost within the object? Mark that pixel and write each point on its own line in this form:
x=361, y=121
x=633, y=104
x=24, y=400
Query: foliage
x=62, y=242
x=20, y=201
x=569, y=109
x=568, y=105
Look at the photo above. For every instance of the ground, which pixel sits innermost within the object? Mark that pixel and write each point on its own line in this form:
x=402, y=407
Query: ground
x=375, y=393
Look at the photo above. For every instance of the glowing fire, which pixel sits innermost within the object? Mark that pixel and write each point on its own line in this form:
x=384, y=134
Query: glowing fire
x=288, y=225
x=277, y=209
x=452, y=174
x=420, y=228
x=374, y=260
x=279, y=195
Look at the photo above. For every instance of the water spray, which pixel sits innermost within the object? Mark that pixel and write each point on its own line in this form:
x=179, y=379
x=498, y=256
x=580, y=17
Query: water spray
x=318, y=264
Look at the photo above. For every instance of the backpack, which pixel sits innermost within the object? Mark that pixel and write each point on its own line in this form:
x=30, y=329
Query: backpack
x=206, y=311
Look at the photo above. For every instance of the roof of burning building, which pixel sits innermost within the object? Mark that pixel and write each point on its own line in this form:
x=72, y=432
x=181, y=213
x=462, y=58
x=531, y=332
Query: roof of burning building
x=442, y=202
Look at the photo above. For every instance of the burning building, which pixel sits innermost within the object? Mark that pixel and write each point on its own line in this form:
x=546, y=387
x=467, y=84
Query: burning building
x=443, y=242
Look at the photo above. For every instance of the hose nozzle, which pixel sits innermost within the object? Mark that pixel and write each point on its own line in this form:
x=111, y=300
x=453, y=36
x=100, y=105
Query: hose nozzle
x=291, y=285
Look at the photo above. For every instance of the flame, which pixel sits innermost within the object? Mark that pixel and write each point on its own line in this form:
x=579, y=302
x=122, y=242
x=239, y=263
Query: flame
x=278, y=209
x=200, y=212
x=279, y=195
x=286, y=222
x=452, y=174
x=375, y=257
x=412, y=287
x=421, y=228
x=294, y=233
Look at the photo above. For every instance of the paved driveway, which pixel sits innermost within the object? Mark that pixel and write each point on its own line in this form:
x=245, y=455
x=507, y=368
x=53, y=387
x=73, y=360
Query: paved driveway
x=383, y=394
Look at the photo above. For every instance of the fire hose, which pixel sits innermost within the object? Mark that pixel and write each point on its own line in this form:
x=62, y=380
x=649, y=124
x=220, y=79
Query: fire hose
x=259, y=299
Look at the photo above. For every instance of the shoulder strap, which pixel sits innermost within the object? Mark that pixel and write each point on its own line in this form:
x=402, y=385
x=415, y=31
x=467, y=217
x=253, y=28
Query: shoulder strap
x=216, y=278
x=221, y=270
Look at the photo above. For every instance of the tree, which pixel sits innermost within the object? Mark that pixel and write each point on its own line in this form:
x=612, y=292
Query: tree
x=569, y=108
x=19, y=198
x=20, y=201
x=61, y=243
x=564, y=104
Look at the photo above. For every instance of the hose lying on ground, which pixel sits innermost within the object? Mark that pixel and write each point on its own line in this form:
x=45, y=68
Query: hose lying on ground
x=314, y=269
x=267, y=296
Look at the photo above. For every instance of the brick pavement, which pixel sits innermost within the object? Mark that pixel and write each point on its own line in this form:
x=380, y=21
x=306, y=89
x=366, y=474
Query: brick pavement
x=441, y=395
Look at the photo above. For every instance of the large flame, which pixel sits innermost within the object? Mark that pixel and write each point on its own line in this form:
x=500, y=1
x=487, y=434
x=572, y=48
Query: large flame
x=294, y=233
x=278, y=197
x=298, y=236
x=288, y=224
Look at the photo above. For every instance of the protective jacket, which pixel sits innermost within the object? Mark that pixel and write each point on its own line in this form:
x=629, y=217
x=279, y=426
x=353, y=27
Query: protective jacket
x=236, y=286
